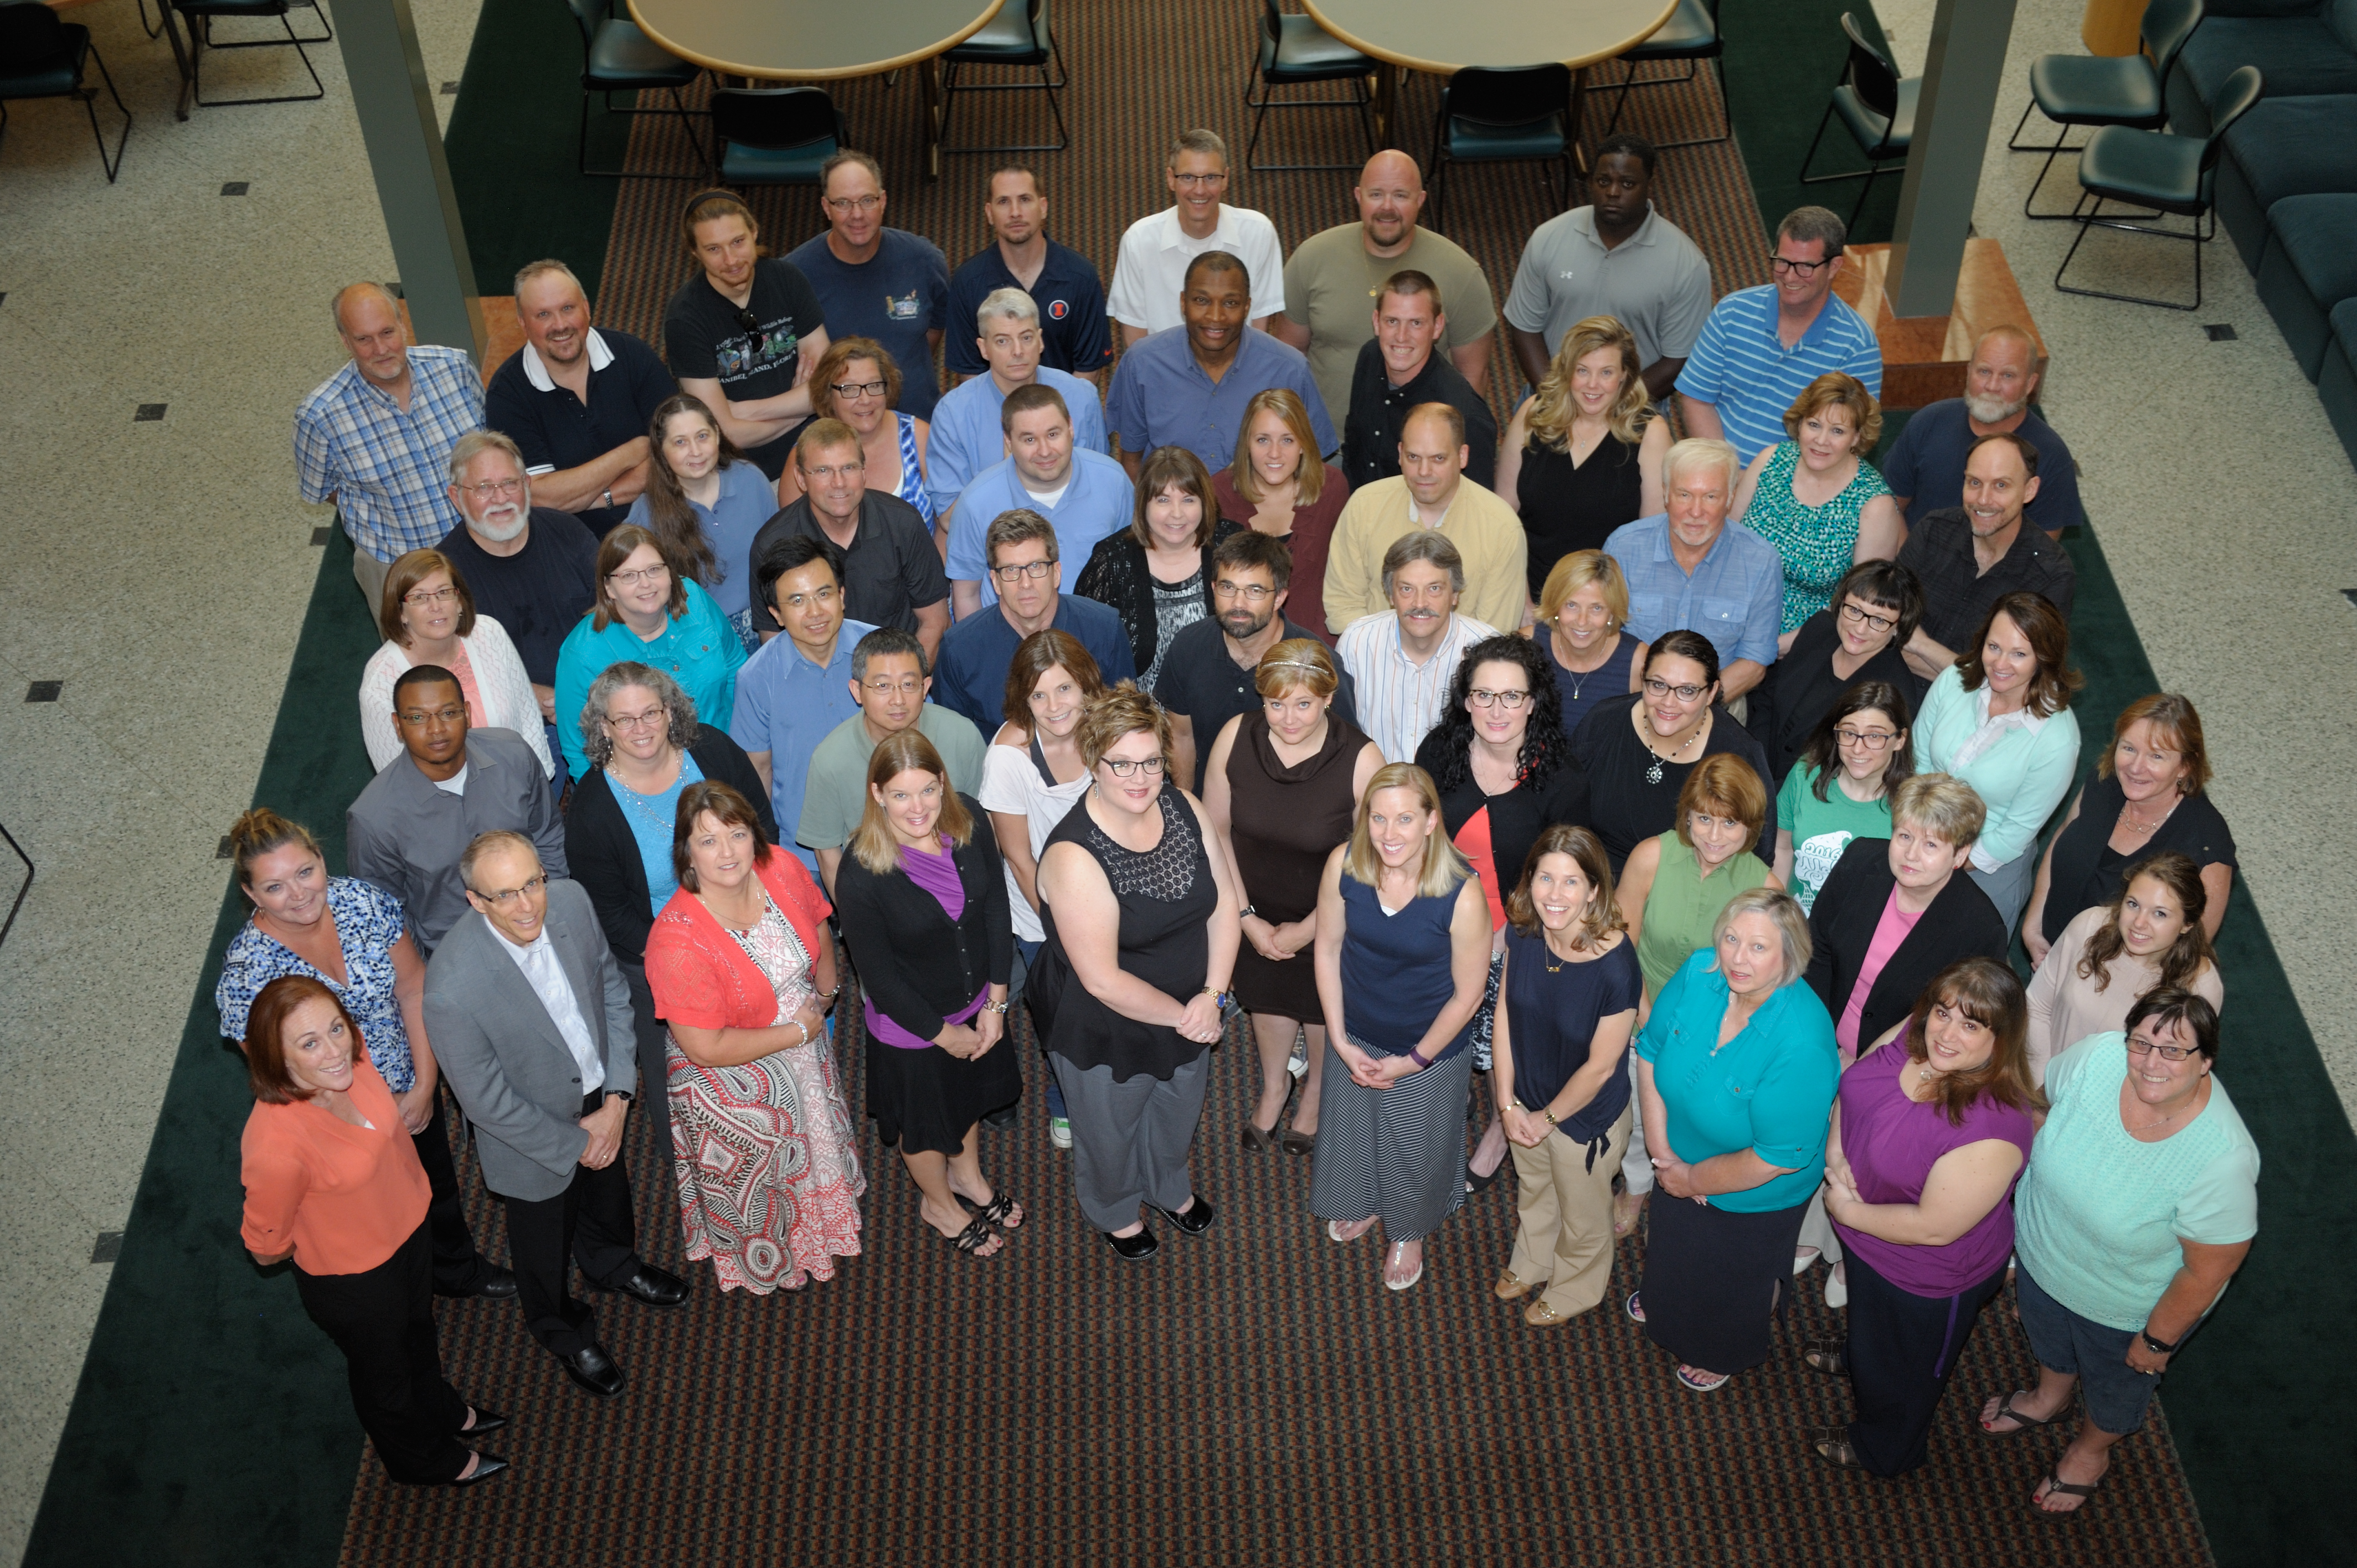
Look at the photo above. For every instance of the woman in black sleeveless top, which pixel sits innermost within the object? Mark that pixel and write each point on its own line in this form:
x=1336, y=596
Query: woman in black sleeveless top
x=1584, y=455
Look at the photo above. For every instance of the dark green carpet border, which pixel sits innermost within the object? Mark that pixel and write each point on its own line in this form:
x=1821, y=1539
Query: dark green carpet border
x=1783, y=59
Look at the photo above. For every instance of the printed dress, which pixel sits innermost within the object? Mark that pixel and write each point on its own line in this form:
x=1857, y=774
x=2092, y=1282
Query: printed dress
x=1815, y=541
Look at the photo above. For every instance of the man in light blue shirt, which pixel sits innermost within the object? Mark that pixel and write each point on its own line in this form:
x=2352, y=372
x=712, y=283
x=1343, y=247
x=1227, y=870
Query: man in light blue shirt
x=794, y=691
x=1690, y=569
x=1085, y=494
x=967, y=437
x=1761, y=346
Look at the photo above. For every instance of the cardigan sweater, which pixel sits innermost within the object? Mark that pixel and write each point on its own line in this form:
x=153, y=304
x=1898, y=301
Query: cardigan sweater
x=1960, y=923
x=604, y=852
x=1116, y=575
x=699, y=974
x=500, y=677
x=2021, y=778
x=916, y=965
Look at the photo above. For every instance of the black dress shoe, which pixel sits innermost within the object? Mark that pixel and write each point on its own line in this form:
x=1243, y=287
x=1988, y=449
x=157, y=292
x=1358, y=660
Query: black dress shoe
x=1001, y=1119
x=594, y=1369
x=1194, y=1220
x=491, y=1280
x=1133, y=1249
x=485, y=1421
x=486, y=1466
x=650, y=1285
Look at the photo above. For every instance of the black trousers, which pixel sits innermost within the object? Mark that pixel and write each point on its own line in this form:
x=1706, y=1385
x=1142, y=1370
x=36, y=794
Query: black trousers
x=1902, y=1350
x=588, y=1223
x=653, y=1103
x=382, y=1321
x=458, y=1266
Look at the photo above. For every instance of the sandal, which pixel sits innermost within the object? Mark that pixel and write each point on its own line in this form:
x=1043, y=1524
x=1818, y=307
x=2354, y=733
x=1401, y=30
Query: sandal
x=1334, y=1230
x=997, y=1210
x=2022, y=1421
x=2056, y=1487
x=1391, y=1257
x=1703, y=1382
x=1827, y=1355
x=976, y=1240
x=1625, y=1220
x=1831, y=1445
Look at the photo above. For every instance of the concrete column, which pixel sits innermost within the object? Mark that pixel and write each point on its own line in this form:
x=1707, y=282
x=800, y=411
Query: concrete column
x=1963, y=73
x=413, y=178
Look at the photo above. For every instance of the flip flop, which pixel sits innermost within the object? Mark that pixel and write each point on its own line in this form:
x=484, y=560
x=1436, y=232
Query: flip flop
x=1709, y=1383
x=2057, y=1486
x=2022, y=1421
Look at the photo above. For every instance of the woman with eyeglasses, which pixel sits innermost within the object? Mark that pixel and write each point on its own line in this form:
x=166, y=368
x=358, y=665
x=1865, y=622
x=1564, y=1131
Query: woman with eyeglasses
x=1817, y=499
x=1861, y=637
x=1157, y=573
x=704, y=502
x=742, y=333
x=1277, y=485
x=646, y=613
x=427, y=616
x=859, y=382
x=2140, y=1203
x=2151, y=937
x=1841, y=789
x=1637, y=749
x=1583, y=609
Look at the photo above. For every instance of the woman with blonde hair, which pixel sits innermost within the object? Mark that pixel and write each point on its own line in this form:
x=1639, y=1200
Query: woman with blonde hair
x=705, y=501
x=427, y=616
x=1402, y=956
x=856, y=381
x=923, y=904
x=1584, y=455
x=1817, y=499
x=1583, y=609
x=1278, y=485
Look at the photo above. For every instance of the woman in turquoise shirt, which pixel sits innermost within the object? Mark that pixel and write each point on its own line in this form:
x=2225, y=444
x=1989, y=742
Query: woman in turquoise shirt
x=1737, y=1071
x=649, y=613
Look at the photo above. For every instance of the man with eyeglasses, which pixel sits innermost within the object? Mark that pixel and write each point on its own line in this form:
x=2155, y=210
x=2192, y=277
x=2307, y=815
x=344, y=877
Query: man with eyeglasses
x=889, y=679
x=1084, y=493
x=891, y=569
x=1429, y=489
x=968, y=436
x=576, y=400
x=1210, y=673
x=1151, y=268
x=1026, y=568
x=1404, y=659
x=874, y=282
x=1761, y=346
x=408, y=826
x=1073, y=331
x=792, y=694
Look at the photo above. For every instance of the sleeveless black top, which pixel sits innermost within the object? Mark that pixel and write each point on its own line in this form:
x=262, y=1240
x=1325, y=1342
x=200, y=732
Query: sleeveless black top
x=1568, y=506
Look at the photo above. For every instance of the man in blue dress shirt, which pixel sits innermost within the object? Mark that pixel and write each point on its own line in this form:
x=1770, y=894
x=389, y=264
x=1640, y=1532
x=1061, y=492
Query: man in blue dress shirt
x=967, y=436
x=794, y=691
x=970, y=677
x=1690, y=569
x=1085, y=494
x=1075, y=335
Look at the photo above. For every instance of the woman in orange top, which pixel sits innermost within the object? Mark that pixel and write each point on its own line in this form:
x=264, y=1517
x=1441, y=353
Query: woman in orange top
x=333, y=1181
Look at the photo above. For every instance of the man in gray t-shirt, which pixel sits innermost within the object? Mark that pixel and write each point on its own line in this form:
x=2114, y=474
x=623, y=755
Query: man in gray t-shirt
x=1617, y=258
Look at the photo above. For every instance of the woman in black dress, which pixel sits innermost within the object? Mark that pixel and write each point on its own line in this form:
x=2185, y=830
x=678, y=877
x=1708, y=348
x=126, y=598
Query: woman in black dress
x=1142, y=931
x=1637, y=750
x=1875, y=608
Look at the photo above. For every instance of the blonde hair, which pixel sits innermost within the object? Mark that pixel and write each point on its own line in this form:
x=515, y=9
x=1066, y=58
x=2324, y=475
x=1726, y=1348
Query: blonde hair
x=1444, y=867
x=1783, y=911
x=1575, y=572
x=873, y=843
x=1551, y=409
x=258, y=832
x=1298, y=661
x=1942, y=804
x=1308, y=471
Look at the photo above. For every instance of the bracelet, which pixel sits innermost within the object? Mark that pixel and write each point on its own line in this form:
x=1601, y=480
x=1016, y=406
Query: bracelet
x=1420, y=1063
x=806, y=1033
x=830, y=994
x=2157, y=1346
x=999, y=1007
x=1549, y=1114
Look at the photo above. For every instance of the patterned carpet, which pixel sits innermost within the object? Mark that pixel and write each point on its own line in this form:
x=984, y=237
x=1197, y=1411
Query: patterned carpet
x=1252, y=1397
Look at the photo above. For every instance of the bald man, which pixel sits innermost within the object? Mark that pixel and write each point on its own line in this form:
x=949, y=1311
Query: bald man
x=1330, y=283
x=375, y=437
x=1925, y=469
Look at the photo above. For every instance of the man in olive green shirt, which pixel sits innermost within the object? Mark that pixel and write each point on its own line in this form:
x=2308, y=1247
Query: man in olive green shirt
x=1331, y=280
x=1429, y=491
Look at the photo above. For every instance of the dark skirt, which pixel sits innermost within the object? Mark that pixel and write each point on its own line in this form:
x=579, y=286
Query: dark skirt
x=1713, y=1279
x=927, y=1102
x=1284, y=988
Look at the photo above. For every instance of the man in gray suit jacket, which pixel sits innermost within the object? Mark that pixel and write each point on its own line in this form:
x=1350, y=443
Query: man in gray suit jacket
x=531, y=1019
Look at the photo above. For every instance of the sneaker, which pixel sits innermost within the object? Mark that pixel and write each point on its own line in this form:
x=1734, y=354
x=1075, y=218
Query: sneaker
x=1297, y=1063
x=1059, y=1132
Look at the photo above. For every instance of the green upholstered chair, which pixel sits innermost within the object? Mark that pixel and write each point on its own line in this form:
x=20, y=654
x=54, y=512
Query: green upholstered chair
x=2173, y=174
x=1017, y=36
x=1692, y=33
x=2096, y=91
x=1521, y=115
x=1876, y=108
x=617, y=58
x=203, y=14
x=775, y=135
x=42, y=57
x=1295, y=51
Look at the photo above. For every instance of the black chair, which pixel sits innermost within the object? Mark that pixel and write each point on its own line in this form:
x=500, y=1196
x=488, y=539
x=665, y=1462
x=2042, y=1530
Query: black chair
x=617, y=58
x=202, y=14
x=775, y=135
x=2097, y=91
x=1018, y=37
x=2169, y=173
x=1692, y=33
x=1876, y=109
x=42, y=57
x=1520, y=115
x=1295, y=51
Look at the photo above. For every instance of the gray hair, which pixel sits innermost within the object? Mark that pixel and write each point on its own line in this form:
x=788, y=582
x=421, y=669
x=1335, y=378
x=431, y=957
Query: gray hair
x=1197, y=141
x=1807, y=223
x=474, y=443
x=491, y=842
x=1701, y=452
x=1423, y=544
x=681, y=732
x=1785, y=912
x=336, y=305
x=1005, y=303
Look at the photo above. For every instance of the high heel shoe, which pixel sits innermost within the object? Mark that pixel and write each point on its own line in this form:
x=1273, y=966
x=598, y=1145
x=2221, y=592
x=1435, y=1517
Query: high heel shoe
x=1261, y=1142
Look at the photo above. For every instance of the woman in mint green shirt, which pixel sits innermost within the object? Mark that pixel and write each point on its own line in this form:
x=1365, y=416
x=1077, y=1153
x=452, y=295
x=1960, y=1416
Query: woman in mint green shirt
x=1737, y=1072
x=1839, y=790
x=648, y=612
x=2140, y=1203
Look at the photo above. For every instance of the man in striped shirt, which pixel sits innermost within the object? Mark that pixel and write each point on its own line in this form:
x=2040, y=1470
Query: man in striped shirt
x=1402, y=660
x=1762, y=346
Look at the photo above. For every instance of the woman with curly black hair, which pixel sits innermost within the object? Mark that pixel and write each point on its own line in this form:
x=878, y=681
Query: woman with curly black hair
x=1505, y=773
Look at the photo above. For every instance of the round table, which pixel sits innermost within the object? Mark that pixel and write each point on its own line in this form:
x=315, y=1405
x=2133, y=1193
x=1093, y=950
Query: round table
x=1443, y=39
x=809, y=40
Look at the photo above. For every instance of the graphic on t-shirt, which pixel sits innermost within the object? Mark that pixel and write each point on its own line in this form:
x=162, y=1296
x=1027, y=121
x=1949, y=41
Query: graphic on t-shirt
x=1058, y=309
x=904, y=309
x=773, y=345
x=1813, y=861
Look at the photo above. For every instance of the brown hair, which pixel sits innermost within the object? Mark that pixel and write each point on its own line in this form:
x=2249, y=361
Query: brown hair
x=873, y=843
x=2174, y=717
x=2182, y=964
x=1837, y=389
x=406, y=573
x=708, y=205
x=1034, y=657
x=671, y=517
x=1298, y=661
x=837, y=358
x=1125, y=710
x=2181, y=1010
x=1309, y=473
x=708, y=797
x=1986, y=992
x=615, y=549
x=1601, y=917
x=266, y=1034
x=1407, y=282
x=1164, y=468
x=1029, y=398
x=1723, y=779
x=261, y=830
x=2050, y=640
x=822, y=434
x=1551, y=405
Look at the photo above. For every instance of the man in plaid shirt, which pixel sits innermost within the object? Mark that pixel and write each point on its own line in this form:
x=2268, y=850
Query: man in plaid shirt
x=375, y=437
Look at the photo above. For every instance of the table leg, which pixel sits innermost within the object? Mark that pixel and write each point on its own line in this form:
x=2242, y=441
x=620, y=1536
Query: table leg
x=1386, y=99
x=929, y=73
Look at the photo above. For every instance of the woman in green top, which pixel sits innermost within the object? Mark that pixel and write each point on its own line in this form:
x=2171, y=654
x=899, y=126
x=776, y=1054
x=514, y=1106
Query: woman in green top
x=1817, y=499
x=1840, y=787
x=1674, y=884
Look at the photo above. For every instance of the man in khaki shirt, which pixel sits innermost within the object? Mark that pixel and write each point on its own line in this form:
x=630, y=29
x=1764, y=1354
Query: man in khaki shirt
x=1429, y=491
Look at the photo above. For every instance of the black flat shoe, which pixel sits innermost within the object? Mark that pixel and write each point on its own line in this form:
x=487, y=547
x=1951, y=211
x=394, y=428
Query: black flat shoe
x=1134, y=1249
x=650, y=1286
x=1001, y=1119
x=486, y=1466
x=594, y=1369
x=1194, y=1220
x=485, y=1421
x=490, y=1282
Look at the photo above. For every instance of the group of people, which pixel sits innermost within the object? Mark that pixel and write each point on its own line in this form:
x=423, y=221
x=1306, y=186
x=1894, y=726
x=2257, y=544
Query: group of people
x=698, y=664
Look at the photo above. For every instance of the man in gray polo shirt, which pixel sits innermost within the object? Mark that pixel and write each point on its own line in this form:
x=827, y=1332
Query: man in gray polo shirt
x=1617, y=258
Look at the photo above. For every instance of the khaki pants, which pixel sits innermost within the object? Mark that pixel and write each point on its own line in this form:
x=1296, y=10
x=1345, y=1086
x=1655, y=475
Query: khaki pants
x=1564, y=1206
x=370, y=572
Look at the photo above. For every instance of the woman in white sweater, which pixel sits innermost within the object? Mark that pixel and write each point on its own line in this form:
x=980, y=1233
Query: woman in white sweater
x=428, y=617
x=2148, y=938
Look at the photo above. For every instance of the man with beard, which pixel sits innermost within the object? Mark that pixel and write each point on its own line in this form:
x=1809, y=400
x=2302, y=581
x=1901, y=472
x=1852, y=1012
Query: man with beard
x=1208, y=675
x=1925, y=469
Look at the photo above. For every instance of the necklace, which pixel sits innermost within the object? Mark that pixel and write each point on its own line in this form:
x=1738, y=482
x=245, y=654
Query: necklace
x=1653, y=774
x=2138, y=825
x=649, y=809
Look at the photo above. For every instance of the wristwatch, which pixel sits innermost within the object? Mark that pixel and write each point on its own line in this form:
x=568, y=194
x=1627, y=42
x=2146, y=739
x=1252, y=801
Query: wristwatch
x=609, y=496
x=2157, y=1346
x=1219, y=998
x=1247, y=909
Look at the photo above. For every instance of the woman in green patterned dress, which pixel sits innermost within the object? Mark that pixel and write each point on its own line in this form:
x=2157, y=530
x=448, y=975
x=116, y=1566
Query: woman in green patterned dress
x=1817, y=499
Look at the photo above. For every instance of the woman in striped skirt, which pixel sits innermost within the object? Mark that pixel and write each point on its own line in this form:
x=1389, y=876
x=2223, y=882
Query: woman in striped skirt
x=1402, y=954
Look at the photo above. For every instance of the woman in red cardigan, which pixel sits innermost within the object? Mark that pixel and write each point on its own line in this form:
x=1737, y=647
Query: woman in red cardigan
x=333, y=1181
x=742, y=969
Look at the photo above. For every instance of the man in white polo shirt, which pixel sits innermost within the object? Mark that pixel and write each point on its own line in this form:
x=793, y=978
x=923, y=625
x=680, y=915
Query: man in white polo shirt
x=1151, y=269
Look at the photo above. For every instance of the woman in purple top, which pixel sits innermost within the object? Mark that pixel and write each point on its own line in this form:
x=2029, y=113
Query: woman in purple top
x=1928, y=1136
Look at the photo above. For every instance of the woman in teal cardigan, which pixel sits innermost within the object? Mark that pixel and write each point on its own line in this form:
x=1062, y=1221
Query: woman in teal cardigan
x=648, y=611
x=1999, y=719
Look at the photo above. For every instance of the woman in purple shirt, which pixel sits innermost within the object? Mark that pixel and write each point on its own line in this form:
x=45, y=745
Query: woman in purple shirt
x=1928, y=1136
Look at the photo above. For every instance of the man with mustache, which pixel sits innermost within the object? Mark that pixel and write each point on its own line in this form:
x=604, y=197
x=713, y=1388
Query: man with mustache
x=1925, y=469
x=1404, y=659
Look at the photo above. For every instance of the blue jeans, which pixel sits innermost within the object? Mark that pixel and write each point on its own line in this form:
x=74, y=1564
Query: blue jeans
x=1025, y=955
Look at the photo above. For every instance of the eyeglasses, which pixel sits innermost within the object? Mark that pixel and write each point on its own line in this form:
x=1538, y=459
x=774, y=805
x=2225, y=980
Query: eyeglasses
x=1872, y=739
x=856, y=389
x=1805, y=271
x=1659, y=688
x=2166, y=1052
x=838, y=470
x=1873, y=623
x=823, y=596
x=850, y=204
x=654, y=718
x=1250, y=593
x=749, y=321
x=492, y=490
x=907, y=686
x=1482, y=697
x=421, y=597
x=1016, y=570
x=508, y=895
x=1122, y=768
x=1199, y=180
x=644, y=574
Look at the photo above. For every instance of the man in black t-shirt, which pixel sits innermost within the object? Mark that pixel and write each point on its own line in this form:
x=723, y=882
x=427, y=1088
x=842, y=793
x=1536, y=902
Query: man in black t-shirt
x=892, y=574
x=745, y=332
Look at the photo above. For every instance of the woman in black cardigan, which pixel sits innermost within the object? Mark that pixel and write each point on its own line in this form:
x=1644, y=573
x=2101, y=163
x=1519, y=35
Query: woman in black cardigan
x=922, y=899
x=1505, y=775
x=645, y=747
x=1157, y=573
x=1875, y=610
